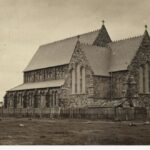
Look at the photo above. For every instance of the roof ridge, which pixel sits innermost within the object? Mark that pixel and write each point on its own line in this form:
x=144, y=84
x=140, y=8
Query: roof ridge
x=87, y=44
x=125, y=39
x=70, y=37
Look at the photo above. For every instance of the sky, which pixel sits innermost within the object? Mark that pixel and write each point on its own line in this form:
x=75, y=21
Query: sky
x=27, y=24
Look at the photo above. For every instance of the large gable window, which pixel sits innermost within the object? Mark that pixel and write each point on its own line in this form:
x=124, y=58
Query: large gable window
x=144, y=78
x=78, y=80
x=73, y=81
x=82, y=73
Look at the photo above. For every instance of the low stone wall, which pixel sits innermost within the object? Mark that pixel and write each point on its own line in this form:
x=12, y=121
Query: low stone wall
x=88, y=113
x=31, y=112
x=105, y=113
x=117, y=114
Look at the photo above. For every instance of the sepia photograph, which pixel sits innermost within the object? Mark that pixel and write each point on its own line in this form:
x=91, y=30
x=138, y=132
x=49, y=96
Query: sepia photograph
x=74, y=72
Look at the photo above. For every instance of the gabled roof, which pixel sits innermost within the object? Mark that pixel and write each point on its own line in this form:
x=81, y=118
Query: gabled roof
x=115, y=56
x=103, y=37
x=59, y=52
x=122, y=53
x=38, y=85
x=98, y=58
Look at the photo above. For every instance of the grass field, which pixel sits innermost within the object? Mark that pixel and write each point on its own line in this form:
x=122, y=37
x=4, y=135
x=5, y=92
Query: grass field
x=72, y=132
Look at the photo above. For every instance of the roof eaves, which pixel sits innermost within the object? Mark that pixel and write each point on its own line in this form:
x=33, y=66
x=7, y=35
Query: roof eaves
x=45, y=68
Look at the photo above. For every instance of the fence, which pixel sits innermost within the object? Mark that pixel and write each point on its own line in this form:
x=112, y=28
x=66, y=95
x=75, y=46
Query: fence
x=112, y=113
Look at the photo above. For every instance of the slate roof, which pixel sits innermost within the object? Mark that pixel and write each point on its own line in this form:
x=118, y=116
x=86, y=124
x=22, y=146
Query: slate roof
x=122, y=53
x=37, y=85
x=116, y=56
x=59, y=52
x=98, y=58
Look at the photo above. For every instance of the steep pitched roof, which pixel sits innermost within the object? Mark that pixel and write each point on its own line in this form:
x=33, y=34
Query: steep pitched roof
x=37, y=85
x=122, y=53
x=103, y=37
x=59, y=52
x=98, y=58
x=115, y=57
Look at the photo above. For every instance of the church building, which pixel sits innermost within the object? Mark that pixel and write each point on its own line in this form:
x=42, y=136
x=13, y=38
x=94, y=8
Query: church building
x=84, y=71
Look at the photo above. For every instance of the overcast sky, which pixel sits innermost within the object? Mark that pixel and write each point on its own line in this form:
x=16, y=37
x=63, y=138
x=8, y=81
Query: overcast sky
x=26, y=24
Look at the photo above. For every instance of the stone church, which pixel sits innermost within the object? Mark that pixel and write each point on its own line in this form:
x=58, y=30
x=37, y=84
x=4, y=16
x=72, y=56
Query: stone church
x=86, y=70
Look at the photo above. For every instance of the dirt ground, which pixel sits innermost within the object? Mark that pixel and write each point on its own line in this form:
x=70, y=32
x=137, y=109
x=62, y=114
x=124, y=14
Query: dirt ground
x=72, y=132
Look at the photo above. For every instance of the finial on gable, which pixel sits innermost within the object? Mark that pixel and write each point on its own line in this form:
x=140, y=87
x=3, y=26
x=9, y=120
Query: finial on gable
x=146, y=27
x=103, y=22
x=78, y=38
x=146, y=32
x=78, y=41
x=103, y=37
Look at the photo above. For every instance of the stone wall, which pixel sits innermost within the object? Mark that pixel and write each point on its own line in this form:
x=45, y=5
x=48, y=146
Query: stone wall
x=37, y=98
x=78, y=100
x=101, y=87
x=117, y=84
x=111, y=113
x=142, y=57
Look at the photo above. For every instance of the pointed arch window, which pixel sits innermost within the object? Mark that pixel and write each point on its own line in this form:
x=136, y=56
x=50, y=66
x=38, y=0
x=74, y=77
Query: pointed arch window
x=52, y=100
x=78, y=80
x=47, y=100
x=81, y=79
x=5, y=101
x=56, y=98
x=144, y=78
x=37, y=100
x=82, y=71
x=73, y=81
x=25, y=101
x=15, y=100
